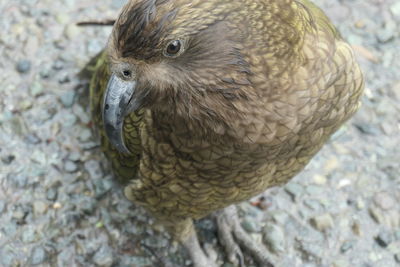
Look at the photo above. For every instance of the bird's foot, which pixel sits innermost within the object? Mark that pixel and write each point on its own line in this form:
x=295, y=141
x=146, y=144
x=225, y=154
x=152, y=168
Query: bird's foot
x=233, y=238
x=196, y=253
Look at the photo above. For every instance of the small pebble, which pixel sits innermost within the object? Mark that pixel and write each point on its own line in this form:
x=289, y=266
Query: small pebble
x=67, y=99
x=88, y=205
x=7, y=257
x=384, y=200
x=70, y=166
x=274, y=237
x=397, y=257
x=74, y=156
x=102, y=186
x=36, y=89
x=384, y=239
x=58, y=64
x=294, y=190
x=346, y=246
x=57, y=206
x=8, y=159
x=103, y=257
x=85, y=134
x=29, y=235
x=23, y=66
x=395, y=9
x=322, y=222
x=45, y=72
x=39, y=207
x=64, y=78
x=38, y=256
x=32, y=139
x=250, y=226
x=376, y=214
x=319, y=179
x=51, y=194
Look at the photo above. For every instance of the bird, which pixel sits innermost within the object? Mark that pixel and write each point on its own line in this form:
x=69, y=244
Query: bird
x=200, y=105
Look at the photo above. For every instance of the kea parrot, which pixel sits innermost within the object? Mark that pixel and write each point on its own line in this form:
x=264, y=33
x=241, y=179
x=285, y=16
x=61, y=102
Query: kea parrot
x=202, y=104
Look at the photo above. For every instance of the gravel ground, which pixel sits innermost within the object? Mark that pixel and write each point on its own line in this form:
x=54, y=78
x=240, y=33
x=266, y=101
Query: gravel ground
x=60, y=207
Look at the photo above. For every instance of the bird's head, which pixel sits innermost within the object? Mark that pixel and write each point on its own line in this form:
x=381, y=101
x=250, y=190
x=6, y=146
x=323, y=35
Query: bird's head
x=184, y=58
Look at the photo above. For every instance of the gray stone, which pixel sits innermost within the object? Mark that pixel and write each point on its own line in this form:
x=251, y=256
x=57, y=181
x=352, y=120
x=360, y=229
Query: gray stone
x=395, y=9
x=23, y=66
x=384, y=200
x=274, y=238
x=139, y=261
x=45, y=72
x=70, y=166
x=313, y=204
x=376, y=214
x=388, y=32
x=69, y=120
x=52, y=194
x=71, y=31
x=102, y=186
x=384, y=239
x=322, y=222
x=36, y=89
x=250, y=226
x=74, y=156
x=295, y=190
x=58, y=64
x=340, y=263
x=67, y=98
x=103, y=257
x=7, y=257
x=88, y=205
x=314, y=190
x=29, y=235
x=346, y=246
x=93, y=168
x=39, y=207
x=64, y=78
x=38, y=256
x=397, y=257
x=85, y=135
x=397, y=235
x=32, y=139
x=8, y=159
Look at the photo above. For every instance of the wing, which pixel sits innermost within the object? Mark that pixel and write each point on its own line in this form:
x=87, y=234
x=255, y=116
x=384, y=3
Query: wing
x=125, y=167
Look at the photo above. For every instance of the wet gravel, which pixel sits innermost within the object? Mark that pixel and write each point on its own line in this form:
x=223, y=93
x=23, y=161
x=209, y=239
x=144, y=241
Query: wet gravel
x=59, y=205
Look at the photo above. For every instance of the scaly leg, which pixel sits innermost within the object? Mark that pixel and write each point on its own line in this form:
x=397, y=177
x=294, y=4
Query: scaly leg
x=184, y=232
x=232, y=235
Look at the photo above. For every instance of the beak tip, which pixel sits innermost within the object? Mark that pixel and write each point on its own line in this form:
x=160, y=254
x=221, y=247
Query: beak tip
x=117, y=140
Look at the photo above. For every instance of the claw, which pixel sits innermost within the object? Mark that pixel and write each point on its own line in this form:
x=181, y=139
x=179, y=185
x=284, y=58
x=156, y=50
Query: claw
x=232, y=235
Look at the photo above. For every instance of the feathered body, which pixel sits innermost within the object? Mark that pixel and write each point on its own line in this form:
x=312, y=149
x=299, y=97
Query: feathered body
x=259, y=88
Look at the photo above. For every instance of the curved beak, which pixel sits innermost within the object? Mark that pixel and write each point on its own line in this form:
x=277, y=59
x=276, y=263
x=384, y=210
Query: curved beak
x=118, y=102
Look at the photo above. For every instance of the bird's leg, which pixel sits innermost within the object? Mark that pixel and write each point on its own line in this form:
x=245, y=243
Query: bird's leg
x=185, y=233
x=232, y=235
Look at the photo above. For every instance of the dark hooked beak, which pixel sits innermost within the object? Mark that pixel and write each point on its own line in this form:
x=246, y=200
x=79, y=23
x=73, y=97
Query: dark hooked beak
x=118, y=102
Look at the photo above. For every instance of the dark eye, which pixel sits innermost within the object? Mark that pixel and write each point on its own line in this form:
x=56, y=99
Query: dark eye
x=174, y=48
x=126, y=73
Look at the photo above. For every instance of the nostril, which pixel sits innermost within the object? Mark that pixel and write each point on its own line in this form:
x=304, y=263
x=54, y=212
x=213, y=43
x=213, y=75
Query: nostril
x=126, y=73
x=106, y=107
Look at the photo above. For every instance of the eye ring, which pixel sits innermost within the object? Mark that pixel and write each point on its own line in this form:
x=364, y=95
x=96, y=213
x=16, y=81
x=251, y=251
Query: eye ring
x=174, y=48
x=127, y=73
